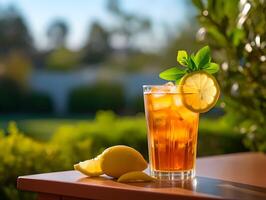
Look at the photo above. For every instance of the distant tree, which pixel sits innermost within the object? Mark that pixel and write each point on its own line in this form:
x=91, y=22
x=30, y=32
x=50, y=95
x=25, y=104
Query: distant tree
x=15, y=46
x=57, y=33
x=129, y=25
x=14, y=33
x=113, y=6
x=97, y=45
x=17, y=67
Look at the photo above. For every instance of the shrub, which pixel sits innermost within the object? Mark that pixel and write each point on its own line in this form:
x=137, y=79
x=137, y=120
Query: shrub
x=216, y=136
x=100, y=96
x=15, y=100
x=20, y=155
x=10, y=96
x=136, y=105
x=62, y=59
x=106, y=130
x=36, y=102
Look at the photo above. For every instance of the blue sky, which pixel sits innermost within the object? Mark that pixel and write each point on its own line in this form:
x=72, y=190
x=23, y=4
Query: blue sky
x=80, y=13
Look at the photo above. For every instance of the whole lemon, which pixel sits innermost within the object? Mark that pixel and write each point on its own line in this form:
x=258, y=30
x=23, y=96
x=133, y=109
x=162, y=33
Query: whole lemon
x=120, y=159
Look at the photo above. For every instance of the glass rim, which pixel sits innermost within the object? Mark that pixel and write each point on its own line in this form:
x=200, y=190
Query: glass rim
x=163, y=85
x=163, y=92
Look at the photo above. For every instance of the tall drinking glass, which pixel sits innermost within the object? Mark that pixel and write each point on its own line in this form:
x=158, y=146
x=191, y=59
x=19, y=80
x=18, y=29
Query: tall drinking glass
x=172, y=133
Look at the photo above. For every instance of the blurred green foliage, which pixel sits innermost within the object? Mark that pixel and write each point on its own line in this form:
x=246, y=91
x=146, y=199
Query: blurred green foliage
x=31, y=127
x=21, y=155
x=16, y=100
x=36, y=102
x=235, y=30
x=71, y=143
x=62, y=59
x=10, y=95
x=101, y=95
x=107, y=130
x=136, y=105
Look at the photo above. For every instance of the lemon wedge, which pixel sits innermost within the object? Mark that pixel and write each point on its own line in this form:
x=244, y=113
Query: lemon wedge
x=121, y=159
x=135, y=176
x=200, y=91
x=90, y=167
x=114, y=161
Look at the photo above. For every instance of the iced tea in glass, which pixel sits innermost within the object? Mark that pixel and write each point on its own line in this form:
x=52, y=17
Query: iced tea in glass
x=172, y=133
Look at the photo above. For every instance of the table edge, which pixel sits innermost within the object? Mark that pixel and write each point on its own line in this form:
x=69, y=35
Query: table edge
x=85, y=191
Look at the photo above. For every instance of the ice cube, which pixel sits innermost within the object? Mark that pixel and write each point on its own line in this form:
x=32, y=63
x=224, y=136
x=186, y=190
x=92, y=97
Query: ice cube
x=169, y=84
x=159, y=118
x=158, y=95
x=174, y=114
x=177, y=100
x=182, y=134
x=166, y=88
x=162, y=101
x=187, y=114
x=174, y=89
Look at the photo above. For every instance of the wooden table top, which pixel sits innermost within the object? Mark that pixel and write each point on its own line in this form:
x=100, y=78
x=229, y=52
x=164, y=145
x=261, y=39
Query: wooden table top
x=232, y=176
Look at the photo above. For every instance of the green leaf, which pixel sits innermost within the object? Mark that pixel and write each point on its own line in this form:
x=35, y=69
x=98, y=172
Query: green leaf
x=182, y=57
x=237, y=36
x=230, y=9
x=212, y=68
x=191, y=63
x=202, y=57
x=217, y=36
x=177, y=81
x=172, y=74
x=198, y=4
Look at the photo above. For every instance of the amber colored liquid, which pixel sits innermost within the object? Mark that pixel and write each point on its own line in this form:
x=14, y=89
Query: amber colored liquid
x=172, y=132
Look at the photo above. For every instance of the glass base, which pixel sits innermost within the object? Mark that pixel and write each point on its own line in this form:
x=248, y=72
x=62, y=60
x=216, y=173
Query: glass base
x=173, y=176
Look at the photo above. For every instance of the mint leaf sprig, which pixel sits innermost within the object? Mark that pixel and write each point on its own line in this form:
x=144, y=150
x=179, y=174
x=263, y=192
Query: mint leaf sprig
x=190, y=63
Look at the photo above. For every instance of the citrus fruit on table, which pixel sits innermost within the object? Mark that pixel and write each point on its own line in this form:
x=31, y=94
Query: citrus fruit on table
x=200, y=91
x=120, y=159
x=135, y=176
x=90, y=167
x=114, y=161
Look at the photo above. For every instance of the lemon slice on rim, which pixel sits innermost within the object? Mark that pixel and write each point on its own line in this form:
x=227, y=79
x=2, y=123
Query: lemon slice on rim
x=200, y=91
x=90, y=167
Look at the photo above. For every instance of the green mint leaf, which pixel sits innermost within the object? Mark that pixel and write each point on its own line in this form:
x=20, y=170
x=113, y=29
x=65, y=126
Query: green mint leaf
x=172, y=74
x=212, y=68
x=177, y=81
x=182, y=57
x=200, y=61
x=203, y=57
x=191, y=63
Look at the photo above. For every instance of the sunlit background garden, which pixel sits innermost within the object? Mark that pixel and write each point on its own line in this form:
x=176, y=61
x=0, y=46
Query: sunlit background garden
x=71, y=76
